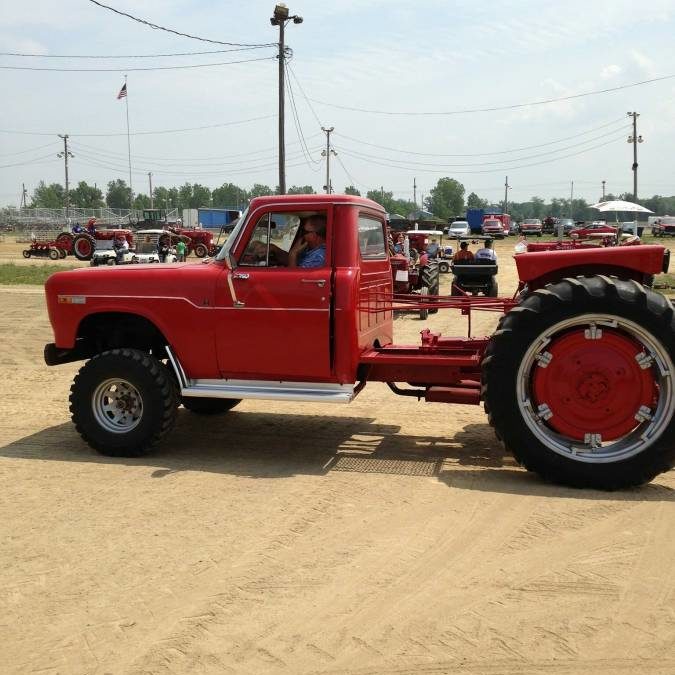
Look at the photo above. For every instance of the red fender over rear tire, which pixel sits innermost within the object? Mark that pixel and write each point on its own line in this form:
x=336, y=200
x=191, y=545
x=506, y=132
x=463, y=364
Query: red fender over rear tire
x=578, y=382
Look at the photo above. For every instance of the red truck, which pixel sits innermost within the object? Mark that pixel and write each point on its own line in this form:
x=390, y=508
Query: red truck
x=496, y=225
x=577, y=381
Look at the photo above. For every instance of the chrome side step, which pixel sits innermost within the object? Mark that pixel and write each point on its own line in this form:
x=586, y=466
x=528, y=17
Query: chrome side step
x=262, y=389
x=273, y=391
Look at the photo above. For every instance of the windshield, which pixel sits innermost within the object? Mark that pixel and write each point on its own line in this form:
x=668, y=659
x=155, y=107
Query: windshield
x=232, y=237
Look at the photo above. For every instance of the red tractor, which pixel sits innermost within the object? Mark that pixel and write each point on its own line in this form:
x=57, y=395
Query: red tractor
x=199, y=241
x=82, y=242
x=411, y=272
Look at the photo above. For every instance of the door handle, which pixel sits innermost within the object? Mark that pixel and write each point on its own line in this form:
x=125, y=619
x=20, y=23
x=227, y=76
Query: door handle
x=319, y=282
x=240, y=275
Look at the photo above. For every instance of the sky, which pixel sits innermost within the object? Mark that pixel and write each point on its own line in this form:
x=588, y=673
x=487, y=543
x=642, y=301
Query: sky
x=404, y=85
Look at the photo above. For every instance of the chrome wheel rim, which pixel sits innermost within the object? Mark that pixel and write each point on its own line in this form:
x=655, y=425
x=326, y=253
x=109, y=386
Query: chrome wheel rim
x=650, y=423
x=117, y=406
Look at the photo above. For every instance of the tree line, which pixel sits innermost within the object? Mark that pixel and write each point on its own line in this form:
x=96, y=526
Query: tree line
x=445, y=201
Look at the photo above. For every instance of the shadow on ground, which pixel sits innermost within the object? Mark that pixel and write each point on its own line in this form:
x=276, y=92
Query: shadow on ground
x=273, y=445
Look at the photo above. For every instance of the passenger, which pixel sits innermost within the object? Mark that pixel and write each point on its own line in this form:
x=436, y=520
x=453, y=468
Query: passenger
x=463, y=255
x=309, y=249
x=432, y=249
x=487, y=252
x=91, y=226
x=120, y=246
x=398, y=246
x=424, y=259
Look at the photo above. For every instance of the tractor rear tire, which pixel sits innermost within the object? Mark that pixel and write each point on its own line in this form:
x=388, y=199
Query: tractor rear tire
x=83, y=246
x=209, y=406
x=122, y=402
x=201, y=250
x=578, y=383
x=65, y=239
x=431, y=278
x=424, y=311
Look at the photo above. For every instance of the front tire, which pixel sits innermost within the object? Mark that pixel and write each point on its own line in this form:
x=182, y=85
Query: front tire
x=123, y=402
x=209, y=406
x=578, y=382
x=424, y=311
x=201, y=251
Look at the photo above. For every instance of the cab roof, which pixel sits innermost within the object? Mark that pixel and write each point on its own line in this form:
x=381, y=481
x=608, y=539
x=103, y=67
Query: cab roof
x=315, y=201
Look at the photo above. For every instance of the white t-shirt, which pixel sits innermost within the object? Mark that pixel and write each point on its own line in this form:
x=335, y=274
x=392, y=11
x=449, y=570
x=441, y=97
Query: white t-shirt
x=486, y=254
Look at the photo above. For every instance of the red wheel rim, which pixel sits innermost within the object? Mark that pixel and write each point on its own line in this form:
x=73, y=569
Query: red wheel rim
x=593, y=383
x=83, y=247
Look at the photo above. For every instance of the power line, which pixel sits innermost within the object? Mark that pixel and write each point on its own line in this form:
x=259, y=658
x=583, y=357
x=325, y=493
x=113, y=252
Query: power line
x=483, y=154
x=30, y=161
x=298, y=127
x=142, y=133
x=22, y=152
x=175, y=32
x=500, y=162
x=496, y=108
x=512, y=168
x=302, y=91
x=128, y=70
x=130, y=56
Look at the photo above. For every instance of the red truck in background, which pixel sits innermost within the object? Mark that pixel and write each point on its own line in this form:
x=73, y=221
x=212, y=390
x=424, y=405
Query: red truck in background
x=577, y=381
x=496, y=225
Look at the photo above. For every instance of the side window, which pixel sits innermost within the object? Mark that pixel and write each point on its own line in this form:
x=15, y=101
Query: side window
x=287, y=239
x=371, y=239
x=271, y=240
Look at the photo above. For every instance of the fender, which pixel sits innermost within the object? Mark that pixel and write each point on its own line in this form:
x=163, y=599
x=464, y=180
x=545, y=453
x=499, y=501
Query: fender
x=635, y=262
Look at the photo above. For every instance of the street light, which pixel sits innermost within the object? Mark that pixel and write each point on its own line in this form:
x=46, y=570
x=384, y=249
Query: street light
x=280, y=18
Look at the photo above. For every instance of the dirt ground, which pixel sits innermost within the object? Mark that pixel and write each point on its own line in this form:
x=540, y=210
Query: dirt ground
x=386, y=536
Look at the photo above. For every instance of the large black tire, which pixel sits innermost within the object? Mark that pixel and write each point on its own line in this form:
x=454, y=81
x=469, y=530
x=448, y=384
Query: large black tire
x=424, y=311
x=66, y=239
x=201, y=250
x=578, y=383
x=123, y=402
x=83, y=246
x=209, y=406
x=431, y=278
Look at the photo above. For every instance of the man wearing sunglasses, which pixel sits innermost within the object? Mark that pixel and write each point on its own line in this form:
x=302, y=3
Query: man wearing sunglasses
x=310, y=248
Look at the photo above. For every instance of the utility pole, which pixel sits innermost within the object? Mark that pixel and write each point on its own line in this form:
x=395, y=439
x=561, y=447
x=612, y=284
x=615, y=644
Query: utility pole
x=603, y=190
x=24, y=194
x=66, y=154
x=634, y=139
x=506, y=194
x=280, y=18
x=572, y=198
x=152, y=199
x=327, y=153
x=415, y=191
x=382, y=194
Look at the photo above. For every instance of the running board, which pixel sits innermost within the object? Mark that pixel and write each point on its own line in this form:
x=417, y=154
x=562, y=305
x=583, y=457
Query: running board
x=272, y=391
x=263, y=389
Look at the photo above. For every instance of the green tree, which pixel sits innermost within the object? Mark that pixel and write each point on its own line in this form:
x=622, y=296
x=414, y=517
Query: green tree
x=118, y=195
x=301, y=190
x=351, y=190
x=229, y=195
x=193, y=196
x=446, y=199
x=473, y=201
x=48, y=196
x=86, y=196
x=259, y=190
x=142, y=201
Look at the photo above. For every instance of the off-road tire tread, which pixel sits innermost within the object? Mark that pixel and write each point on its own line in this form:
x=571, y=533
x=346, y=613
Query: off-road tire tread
x=512, y=327
x=163, y=423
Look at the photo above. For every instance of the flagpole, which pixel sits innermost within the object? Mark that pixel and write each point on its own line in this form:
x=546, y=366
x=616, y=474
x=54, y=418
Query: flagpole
x=126, y=100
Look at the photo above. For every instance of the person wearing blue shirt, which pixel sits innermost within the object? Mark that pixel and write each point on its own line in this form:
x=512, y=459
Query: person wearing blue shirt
x=310, y=248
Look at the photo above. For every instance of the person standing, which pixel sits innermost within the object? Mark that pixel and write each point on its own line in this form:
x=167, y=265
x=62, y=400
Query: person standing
x=181, y=250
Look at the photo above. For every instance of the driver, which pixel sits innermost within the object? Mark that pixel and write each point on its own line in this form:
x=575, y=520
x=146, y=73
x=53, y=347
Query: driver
x=309, y=249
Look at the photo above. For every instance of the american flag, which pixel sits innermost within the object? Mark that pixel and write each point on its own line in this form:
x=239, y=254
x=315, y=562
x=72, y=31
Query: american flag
x=123, y=92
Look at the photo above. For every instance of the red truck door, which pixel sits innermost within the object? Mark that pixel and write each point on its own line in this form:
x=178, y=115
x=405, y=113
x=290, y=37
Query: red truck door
x=277, y=324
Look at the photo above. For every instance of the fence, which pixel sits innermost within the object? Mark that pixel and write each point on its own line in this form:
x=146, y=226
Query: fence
x=24, y=219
